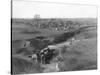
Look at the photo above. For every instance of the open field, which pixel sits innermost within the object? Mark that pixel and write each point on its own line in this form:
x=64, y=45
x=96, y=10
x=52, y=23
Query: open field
x=24, y=29
x=81, y=55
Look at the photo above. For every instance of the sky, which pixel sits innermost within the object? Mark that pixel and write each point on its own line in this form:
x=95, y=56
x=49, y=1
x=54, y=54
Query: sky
x=27, y=9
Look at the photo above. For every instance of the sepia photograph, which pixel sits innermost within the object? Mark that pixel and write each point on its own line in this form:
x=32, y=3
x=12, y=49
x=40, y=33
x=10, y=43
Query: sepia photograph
x=51, y=37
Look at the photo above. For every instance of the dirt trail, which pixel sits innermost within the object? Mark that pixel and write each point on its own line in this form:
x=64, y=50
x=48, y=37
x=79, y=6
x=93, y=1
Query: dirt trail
x=53, y=67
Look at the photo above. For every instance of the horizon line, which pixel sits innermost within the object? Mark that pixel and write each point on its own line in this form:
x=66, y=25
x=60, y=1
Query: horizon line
x=58, y=18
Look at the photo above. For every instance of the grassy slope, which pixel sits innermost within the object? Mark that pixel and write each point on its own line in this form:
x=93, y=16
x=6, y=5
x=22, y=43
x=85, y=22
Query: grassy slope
x=80, y=56
x=21, y=66
x=81, y=59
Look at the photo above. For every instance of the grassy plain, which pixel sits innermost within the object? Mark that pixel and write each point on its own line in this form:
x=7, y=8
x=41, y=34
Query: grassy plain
x=81, y=55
